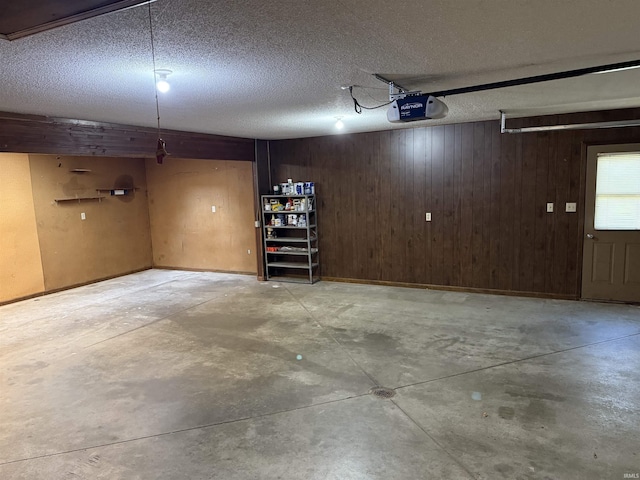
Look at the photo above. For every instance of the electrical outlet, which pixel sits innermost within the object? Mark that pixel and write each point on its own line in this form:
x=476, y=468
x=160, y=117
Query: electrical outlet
x=571, y=207
x=427, y=217
x=83, y=216
x=213, y=209
x=248, y=252
x=257, y=223
x=550, y=207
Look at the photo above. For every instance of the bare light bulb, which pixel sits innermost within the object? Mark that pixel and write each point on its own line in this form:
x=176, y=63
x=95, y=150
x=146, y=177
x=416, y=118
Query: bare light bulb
x=163, y=85
x=161, y=82
x=339, y=124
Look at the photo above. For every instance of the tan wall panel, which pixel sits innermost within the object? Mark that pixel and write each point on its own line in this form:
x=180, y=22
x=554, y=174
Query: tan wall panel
x=20, y=264
x=113, y=240
x=185, y=232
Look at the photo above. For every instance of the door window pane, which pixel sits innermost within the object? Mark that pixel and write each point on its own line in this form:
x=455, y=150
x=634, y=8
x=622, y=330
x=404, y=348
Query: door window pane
x=618, y=191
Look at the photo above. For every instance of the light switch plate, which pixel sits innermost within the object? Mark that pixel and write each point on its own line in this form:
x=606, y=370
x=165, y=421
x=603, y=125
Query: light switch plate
x=213, y=209
x=427, y=217
x=571, y=207
x=549, y=207
x=83, y=216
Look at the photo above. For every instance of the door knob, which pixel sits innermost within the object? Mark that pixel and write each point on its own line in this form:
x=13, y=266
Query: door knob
x=590, y=236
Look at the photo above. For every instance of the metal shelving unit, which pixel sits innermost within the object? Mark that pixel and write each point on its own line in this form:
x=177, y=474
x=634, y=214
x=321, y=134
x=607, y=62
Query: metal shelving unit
x=290, y=238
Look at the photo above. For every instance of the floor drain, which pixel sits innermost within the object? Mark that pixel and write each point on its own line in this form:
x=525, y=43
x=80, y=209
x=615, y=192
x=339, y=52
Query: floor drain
x=382, y=392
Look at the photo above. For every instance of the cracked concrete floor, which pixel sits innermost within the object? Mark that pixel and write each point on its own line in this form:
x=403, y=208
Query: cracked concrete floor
x=183, y=375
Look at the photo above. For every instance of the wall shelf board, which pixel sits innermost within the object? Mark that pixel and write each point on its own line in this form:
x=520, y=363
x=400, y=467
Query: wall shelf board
x=291, y=227
x=290, y=239
x=291, y=279
x=295, y=252
x=288, y=211
x=299, y=265
x=78, y=199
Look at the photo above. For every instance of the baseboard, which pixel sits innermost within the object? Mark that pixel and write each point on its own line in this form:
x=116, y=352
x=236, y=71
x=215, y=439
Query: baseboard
x=21, y=299
x=238, y=272
x=450, y=288
x=75, y=285
x=490, y=291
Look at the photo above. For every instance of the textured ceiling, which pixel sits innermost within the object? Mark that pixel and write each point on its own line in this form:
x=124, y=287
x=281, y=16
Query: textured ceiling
x=273, y=69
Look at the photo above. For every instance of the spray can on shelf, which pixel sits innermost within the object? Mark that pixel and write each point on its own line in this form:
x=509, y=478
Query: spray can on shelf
x=309, y=188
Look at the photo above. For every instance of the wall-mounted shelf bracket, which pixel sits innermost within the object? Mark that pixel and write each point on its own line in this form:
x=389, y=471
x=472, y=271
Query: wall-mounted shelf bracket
x=117, y=191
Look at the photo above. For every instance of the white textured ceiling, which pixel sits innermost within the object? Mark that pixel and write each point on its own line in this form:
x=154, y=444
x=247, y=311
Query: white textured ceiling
x=273, y=69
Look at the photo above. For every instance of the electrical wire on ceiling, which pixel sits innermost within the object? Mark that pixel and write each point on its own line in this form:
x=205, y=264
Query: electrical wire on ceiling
x=358, y=107
x=161, y=150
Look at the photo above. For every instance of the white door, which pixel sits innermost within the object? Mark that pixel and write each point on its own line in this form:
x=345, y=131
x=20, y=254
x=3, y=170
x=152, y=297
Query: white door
x=611, y=258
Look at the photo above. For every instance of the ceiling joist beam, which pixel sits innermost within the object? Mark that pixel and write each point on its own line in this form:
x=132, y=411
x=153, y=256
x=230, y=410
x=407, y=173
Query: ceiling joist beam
x=72, y=18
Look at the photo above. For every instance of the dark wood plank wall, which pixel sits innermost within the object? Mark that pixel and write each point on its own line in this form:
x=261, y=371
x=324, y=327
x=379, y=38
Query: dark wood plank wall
x=486, y=191
x=261, y=183
x=35, y=134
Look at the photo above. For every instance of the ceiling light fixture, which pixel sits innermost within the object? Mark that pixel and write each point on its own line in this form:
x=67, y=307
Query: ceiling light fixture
x=161, y=82
x=339, y=123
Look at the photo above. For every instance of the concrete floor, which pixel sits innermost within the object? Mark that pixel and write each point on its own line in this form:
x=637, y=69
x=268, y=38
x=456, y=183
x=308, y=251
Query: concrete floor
x=182, y=375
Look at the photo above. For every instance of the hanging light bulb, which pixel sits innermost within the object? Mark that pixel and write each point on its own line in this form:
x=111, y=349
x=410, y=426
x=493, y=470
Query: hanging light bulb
x=161, y=83
x=163, y=86
x=339, y=123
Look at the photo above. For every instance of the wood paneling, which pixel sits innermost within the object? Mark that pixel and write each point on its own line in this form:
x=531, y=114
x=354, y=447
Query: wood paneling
x=20, y=263
x=487, y=193
x=114, y=237
x=185, y=232
x=261, y=186
x=34, y=134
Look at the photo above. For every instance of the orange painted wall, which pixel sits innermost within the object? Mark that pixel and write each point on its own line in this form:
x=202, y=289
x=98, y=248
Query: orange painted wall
x=185, y=232
x=20, y=263
x=113, y=239
x=45, y=245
